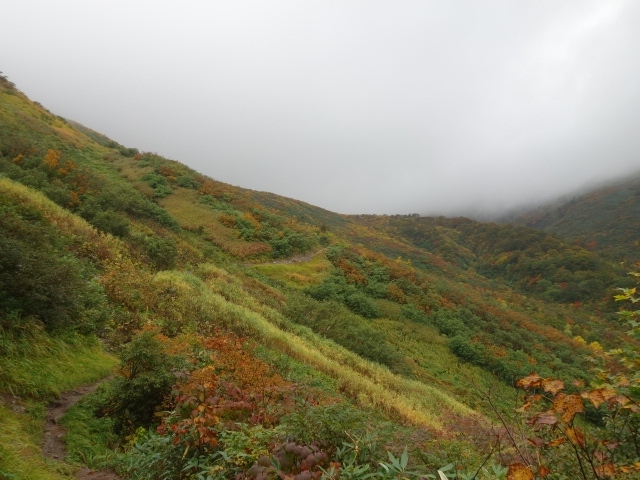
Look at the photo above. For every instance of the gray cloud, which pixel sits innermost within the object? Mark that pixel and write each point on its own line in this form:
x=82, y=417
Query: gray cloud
x=439, y=107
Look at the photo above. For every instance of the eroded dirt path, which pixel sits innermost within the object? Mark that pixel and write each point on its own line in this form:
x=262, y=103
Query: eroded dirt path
x=306, y=257
x=295, y=259
x=53, y=445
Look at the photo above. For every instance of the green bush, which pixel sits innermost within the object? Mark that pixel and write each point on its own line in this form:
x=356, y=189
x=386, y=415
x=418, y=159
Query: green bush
x=413, y=313
x=376, y=289
x=40, y=278
x=290, y=243
x=467, y=350
x=333, y=320
x=452, y=322
x=162, y=251
x=336, y=288
x=58, y=193
x=105, y=211
x=124, y=199
x=187, y=181
x=360, y=304
x=111, y=222
x=158, y=183
x=328, y=426
x=128, y=152
x=270, y=228
x=333, y=287
x=146, y=381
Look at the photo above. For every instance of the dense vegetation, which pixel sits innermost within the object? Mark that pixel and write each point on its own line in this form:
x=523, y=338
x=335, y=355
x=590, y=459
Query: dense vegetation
x=258, y=336
x=532, y=262
x=605, y=220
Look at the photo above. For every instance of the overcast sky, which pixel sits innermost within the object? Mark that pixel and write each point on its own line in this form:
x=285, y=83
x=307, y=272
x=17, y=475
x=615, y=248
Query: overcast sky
x=435, y=107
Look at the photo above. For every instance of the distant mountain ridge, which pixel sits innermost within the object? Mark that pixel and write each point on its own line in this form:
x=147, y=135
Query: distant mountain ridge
x=605, y=219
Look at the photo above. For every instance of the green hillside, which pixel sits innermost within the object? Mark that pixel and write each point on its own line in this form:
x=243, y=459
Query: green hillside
x=247, y=335
x=529, y=261
x=605, y=220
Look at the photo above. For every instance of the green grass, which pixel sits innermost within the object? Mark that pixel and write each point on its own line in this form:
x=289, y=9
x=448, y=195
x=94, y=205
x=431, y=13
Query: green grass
x=297, y=275
x=100, y=245
x=20, y=457
x=90, y=440
x=45, y=366
x=39, y=368
x=296, y=371
x=433, y=363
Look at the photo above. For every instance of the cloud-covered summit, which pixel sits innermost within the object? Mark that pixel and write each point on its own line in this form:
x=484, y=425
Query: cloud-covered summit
x=440, y=107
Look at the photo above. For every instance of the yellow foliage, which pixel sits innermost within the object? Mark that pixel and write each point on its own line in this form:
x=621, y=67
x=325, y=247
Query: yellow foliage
x=579, y=340
x=67, y=168
x=184, y=207
x=227, y=220
x=52, y=158
x=297, y=274
x=519, y=471
x=595, y=346
x=251, y=218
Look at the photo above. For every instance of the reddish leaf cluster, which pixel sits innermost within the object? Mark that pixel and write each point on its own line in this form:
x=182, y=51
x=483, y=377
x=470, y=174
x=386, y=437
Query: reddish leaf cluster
x=235, y=388
x=351, y=272
x=61, y=172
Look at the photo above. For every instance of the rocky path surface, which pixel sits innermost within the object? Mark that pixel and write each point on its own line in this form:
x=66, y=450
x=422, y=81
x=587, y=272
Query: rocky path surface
x=53, y=445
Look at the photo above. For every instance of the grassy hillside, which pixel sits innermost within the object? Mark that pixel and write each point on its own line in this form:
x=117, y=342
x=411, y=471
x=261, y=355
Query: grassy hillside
x=606, y=219
x=259, y=336
x=529, y=261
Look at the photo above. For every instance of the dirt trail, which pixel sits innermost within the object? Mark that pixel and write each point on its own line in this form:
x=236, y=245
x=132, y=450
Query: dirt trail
x=295, y=259
x=53, y=445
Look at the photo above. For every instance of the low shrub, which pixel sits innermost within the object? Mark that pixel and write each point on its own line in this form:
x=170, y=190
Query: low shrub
x=147, y=376
x=40, y=278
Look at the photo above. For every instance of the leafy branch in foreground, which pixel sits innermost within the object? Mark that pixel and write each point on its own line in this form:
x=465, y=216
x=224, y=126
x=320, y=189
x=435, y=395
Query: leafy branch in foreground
x=578, y=432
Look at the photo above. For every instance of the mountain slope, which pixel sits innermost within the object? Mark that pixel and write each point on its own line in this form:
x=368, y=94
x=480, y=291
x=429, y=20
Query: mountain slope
x=606, y=219
x=243, y=316
x=168, y=250
x=529, y=261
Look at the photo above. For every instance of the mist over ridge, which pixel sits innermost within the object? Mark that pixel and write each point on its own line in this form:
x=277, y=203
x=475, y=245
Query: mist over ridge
x=441, y=108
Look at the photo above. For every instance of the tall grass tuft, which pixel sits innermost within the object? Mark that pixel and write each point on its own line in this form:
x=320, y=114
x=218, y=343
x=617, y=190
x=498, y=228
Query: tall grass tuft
x=38, y=366
x=94, y=244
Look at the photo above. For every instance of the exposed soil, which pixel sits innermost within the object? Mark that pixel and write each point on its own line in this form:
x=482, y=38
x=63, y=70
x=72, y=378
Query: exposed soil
x=295, y=259
x=86, y=474
x=12, y=403
x=53, y=445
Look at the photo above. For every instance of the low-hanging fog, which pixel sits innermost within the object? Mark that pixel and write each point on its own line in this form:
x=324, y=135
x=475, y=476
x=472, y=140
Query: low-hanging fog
x=436, y=107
